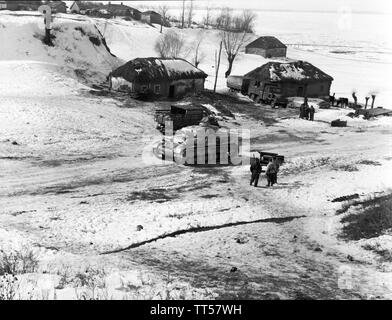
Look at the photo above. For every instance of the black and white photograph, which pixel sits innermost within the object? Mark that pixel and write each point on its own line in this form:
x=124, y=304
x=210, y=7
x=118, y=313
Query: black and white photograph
x=196, y=150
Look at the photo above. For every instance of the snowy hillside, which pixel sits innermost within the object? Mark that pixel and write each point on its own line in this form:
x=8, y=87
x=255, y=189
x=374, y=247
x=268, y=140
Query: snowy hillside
x=80, y=181
x=78, y=44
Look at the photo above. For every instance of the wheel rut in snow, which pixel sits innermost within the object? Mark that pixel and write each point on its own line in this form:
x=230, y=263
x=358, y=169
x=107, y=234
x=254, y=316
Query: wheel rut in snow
x=202, y=229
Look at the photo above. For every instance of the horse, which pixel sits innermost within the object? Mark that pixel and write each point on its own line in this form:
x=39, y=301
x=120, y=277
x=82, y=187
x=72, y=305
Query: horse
x=342, y=102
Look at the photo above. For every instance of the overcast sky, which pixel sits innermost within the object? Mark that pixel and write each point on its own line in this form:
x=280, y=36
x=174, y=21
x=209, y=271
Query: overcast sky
x=379, y=6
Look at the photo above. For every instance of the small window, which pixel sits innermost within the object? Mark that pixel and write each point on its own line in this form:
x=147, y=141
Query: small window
x=157, y=88
x=144, y=88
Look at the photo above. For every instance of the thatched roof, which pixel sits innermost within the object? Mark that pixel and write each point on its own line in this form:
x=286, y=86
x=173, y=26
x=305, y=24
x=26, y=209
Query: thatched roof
x=298, y=71
x=144, y=70
x=266, y=43
x=120, y=8
x=85, y=5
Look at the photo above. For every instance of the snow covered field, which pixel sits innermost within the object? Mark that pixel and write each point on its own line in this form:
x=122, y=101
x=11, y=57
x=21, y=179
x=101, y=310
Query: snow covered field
x=79, y=184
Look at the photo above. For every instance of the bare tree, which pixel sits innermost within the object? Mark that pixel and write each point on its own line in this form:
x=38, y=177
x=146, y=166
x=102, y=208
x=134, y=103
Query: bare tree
x=233, y=36
x=207, y=17
x=170, y=45
x=190, y=13
x=233, y=41
x=248, y=20
x=199, y=55
x=163, y=11
x=224, y=19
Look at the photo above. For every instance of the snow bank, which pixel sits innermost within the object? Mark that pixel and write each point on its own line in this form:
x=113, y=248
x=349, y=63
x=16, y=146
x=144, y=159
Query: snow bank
x=77, y=43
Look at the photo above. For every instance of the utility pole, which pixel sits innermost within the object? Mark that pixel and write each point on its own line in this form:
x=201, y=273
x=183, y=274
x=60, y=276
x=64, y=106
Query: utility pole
x=47, y=12
x=217, y=64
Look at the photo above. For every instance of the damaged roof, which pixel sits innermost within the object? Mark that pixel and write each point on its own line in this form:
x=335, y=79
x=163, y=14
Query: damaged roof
x=144, y=70
x=267, y=42
x=298, y=71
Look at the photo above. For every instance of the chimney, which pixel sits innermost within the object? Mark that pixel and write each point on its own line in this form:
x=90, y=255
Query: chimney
x=367, y=100
x=373, y=98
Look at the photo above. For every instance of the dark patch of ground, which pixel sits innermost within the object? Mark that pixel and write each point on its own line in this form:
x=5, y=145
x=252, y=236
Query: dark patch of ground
x=60, y=162
x=369, y=163
x=374, y=218
x=346, y=198
x=156, y=195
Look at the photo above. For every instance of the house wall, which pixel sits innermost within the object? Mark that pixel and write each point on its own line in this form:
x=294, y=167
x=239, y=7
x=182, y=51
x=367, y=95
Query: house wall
x=258, y=51
x=151, y=18
x=291, y=89
x=60, y=9
x=10, y=5
x=310, y=89
x=319, y=89
x=75, y=8
x=181, y=87
x=145, y=18
x=155, y=18
x=277, y=52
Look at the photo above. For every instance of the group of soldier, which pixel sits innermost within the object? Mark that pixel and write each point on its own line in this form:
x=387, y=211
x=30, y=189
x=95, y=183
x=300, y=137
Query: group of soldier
x=271, y=171
x=305, y=111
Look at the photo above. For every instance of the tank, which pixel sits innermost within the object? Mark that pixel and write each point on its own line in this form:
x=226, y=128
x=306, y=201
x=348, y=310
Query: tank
x=175, y=148
x=181, y=116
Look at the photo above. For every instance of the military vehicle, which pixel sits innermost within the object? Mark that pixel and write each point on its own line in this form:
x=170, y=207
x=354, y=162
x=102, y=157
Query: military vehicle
x=175, y=148
x=265, y=158
x=238, y=83
x=269, y=94
x=180, y=115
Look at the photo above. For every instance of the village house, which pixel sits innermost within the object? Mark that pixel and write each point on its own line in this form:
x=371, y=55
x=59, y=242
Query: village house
x=98, y=13
x=20, y=5
x=8, y=5
x=165, y=77
x=121, y=10
x=82, y=6
x=267, y=47
x=58, y=6
x=299, y=78
x=151, y=17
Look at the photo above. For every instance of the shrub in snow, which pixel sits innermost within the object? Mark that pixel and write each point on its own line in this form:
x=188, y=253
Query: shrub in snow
x=18, y=262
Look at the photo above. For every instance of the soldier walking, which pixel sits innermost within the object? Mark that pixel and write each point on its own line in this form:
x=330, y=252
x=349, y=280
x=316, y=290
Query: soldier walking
x=255, y=169
x=275, y=171
x=304, y=109
x=270, y=173
x=311, y=113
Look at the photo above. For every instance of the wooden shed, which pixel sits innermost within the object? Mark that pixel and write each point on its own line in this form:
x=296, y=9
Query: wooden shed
x=267, y=47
